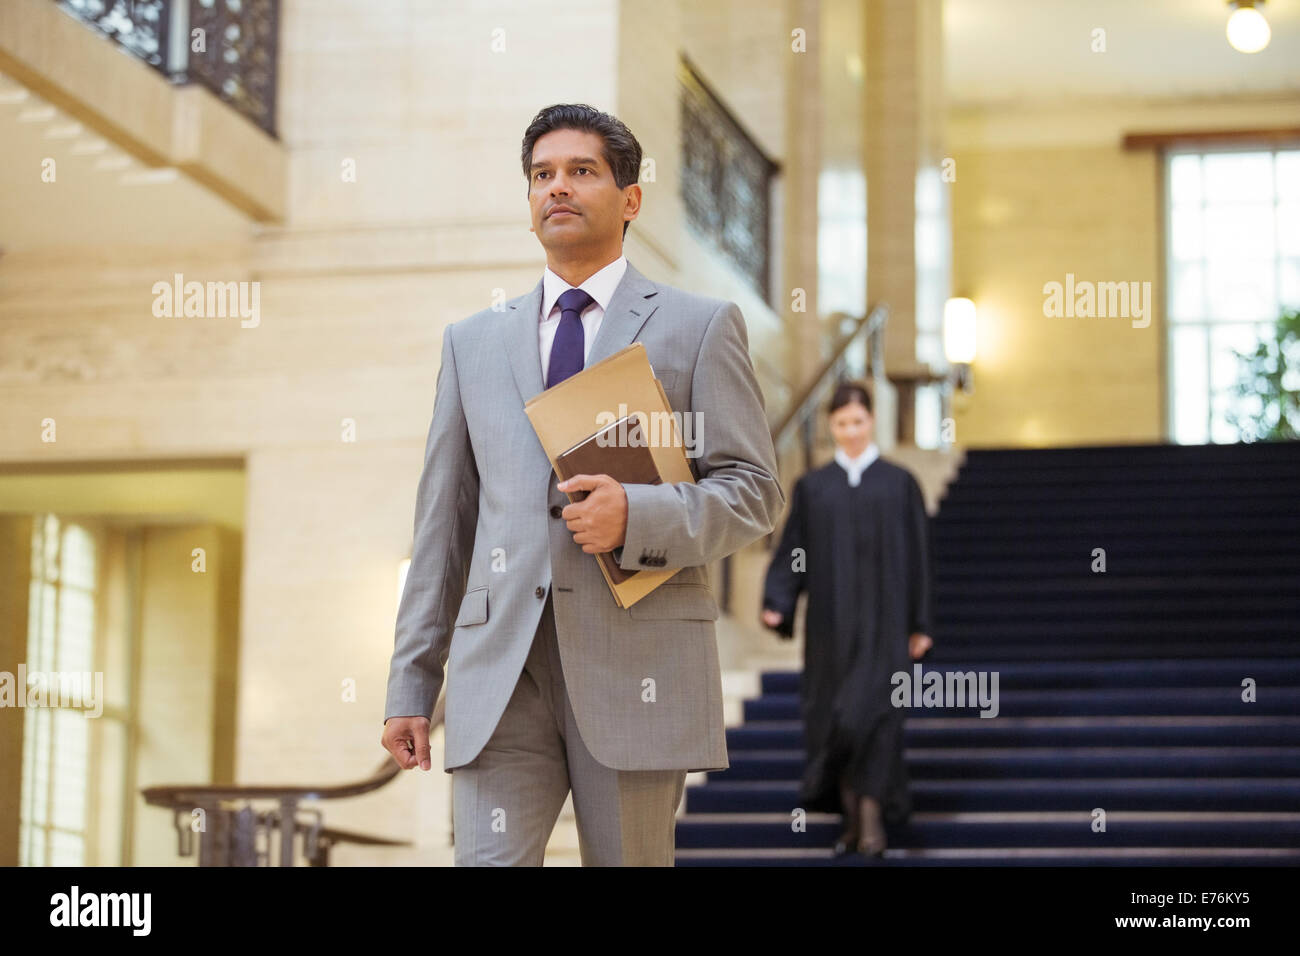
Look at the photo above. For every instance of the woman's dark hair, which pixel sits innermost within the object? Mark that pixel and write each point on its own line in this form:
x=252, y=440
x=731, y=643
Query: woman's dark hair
x=847, y=392
x=622, y=153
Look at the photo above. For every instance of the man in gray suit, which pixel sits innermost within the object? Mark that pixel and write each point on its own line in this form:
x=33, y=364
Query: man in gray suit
x=552, y=687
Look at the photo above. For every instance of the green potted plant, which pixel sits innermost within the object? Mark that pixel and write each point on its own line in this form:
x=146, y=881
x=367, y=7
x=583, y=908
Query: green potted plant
x=1268, y=389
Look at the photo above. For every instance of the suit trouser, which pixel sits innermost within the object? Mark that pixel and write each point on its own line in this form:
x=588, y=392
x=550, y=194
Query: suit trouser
x=506, y=801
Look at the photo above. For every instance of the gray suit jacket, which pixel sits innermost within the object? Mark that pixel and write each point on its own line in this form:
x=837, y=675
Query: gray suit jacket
x=644, y=681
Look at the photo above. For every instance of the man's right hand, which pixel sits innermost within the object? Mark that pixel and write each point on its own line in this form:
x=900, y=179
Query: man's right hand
x=772, y=618
x=407, y=739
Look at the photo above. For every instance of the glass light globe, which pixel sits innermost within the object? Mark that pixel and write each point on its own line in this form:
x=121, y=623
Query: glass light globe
x=1248, y=31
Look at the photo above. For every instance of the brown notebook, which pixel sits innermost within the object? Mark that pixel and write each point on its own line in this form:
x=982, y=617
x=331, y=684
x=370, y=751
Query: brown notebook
x=624, y=456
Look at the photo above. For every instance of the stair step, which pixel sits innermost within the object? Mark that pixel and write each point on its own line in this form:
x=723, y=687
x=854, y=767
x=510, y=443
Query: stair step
x=1026, y=569
x=1002, y=829
x=1114, y=585
x=1129, y=701
x=1019, y=675
x=1151, y=529
x=992, y=651
x=980, y=491
x=1224, y=634
x=1000, y=856
x=1151, y=793
x=1061, y=732
x=1047, y=762
x=1088, y=607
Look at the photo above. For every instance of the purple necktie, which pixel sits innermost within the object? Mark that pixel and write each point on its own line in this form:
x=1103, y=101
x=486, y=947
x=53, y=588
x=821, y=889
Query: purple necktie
x=567, y=349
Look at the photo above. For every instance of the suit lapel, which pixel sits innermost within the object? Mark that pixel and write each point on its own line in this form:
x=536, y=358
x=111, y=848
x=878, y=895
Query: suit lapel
x=521, y=342
x=631, y=305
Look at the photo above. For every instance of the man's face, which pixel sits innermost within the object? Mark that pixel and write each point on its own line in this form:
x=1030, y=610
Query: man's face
x=852, y=427
x=569, y=172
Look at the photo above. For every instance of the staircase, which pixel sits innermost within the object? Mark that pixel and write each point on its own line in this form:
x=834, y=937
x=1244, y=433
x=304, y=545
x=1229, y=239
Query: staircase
x=1120, y=692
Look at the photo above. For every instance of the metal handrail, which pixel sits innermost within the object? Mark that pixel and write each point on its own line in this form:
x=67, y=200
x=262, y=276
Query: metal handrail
x=802, y=411
x=191, y=794
x=245, y=823
x=869, y=327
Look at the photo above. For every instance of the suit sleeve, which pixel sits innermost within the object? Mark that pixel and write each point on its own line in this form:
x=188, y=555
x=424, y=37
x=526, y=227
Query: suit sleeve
x=784, y=584
x=737, y=497
x=446, y=514
x=919, y=557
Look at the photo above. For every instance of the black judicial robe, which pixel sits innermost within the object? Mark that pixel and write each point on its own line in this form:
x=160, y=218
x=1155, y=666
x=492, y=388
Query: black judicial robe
x=867, y=575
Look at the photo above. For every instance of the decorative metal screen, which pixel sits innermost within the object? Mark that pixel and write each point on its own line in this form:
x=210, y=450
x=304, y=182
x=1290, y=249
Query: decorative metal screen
x=138, y=26
x=238, y=45
x=726, y=180
x=239, y=63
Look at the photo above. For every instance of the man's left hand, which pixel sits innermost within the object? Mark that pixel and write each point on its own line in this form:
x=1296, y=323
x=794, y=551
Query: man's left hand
x=599, y=521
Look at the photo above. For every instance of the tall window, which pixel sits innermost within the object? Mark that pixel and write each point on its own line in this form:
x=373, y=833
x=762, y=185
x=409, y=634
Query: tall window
x=60, y=638
x=842, y=242
x=933, y=258
x=1233, y=262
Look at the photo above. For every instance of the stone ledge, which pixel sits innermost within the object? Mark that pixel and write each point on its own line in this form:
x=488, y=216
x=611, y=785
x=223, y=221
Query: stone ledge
x=69, y=65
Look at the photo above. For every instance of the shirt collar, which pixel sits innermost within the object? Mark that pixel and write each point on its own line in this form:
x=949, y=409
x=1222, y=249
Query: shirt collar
x=856, y=466
x=600, y=286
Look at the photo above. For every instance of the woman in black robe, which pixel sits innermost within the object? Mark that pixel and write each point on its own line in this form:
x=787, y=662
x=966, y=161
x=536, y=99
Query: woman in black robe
x=861, y=552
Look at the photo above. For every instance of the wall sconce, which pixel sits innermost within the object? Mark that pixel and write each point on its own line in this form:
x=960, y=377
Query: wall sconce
x=1248, y=31
x=959, y=341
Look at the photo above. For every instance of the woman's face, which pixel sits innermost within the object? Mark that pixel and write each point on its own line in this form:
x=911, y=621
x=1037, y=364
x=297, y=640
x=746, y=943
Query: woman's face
x=852, y=427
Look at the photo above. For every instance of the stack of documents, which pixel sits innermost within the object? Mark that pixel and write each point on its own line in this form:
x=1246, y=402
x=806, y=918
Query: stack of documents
x=613, y=418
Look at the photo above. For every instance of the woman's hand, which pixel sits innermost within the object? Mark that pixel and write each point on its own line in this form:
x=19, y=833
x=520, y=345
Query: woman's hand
x=918, y=644
x=772, y=618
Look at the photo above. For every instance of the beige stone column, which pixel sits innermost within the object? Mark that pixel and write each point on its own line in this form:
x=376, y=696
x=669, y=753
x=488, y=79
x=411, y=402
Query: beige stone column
x=903, y=117
x=798, y=202
x=15, y=565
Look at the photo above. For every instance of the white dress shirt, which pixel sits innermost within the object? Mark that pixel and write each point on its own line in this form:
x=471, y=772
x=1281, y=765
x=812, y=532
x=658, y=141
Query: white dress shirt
x=856, y=466
x=600, y=286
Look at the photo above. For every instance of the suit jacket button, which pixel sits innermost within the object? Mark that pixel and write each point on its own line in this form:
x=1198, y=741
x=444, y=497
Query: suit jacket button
x=541, y=591
x=555, y=511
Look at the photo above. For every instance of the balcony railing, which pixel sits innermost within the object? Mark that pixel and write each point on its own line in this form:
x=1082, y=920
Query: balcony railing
x=726, y=180
x=228, y=46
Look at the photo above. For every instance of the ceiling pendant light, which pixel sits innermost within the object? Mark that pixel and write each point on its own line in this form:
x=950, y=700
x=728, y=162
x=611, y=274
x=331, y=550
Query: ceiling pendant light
x=1248, y=31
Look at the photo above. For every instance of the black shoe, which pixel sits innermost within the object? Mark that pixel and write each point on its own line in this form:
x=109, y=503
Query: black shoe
x=846, y=844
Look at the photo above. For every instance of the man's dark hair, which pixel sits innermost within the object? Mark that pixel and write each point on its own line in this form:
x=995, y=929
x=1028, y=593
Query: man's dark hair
x=622, y=153
x=847, y=392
